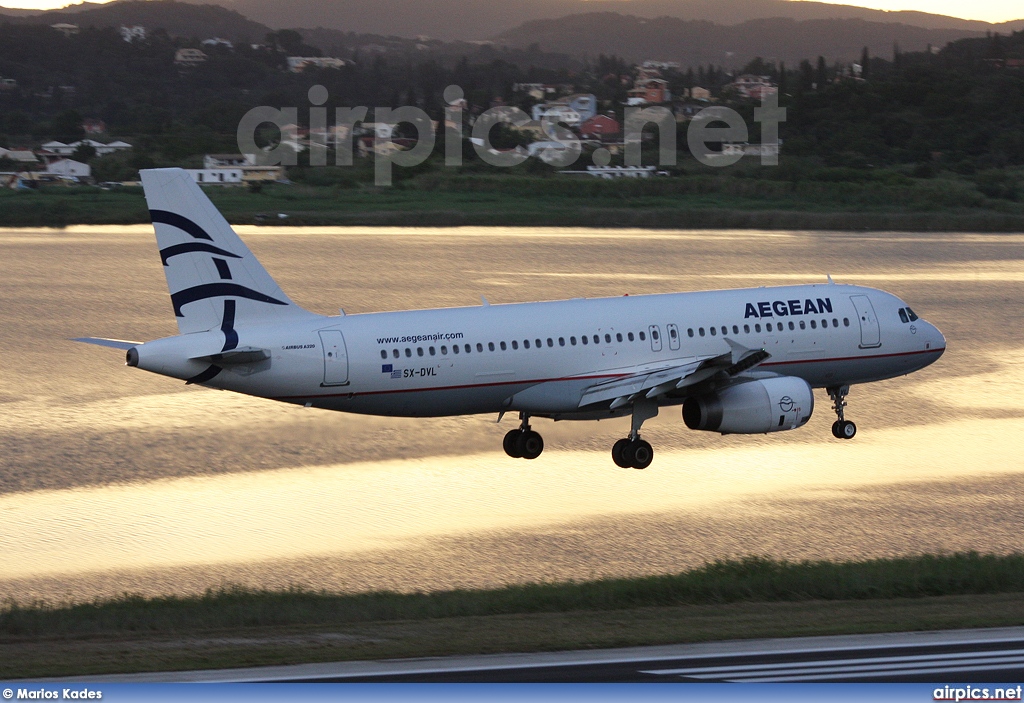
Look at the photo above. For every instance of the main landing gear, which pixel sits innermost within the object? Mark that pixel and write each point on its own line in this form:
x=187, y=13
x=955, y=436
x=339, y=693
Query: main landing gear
x=523, y=443
x=841, y=428
x=632, y=452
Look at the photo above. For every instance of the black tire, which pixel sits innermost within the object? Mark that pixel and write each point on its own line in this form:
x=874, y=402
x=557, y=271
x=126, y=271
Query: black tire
x=835, y=430
x=848, y=430
x=510, y=444
x=531, y=444
x=642, y=454
x=617, y=450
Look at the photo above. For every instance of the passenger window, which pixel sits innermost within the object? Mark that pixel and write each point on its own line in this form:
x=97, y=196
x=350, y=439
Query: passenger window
x=444, y=351
x=394, y=353
x=689, y=332
x=791, y=325
x=469, y=347
x=561, y=341
x=585, y=339
x=746, y=329
x=490, y=346
x=419, y=351
x=504, y=347
x=713, y=331
x=654, y=335
x=526, y=344
x=757, y=327
x=618, y=336
x=515, y=344
x=383, y=353
x=846, y=322
x=913, y=317
x=835, y=322
x=597, y=340
x=550, y=342
x=903, y=316
x=408, y=351
x=433, y=351
x=701, y=331
x=630, y=336
x=572, y=341
x=538, y=344
x=814, y=325
x=643, y=336
x=672, y=332
x=607, y=339
x=455, y=348
x=735, y=329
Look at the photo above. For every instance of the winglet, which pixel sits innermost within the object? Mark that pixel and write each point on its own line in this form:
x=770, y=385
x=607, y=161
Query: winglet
x=483, y=301
x=829, y=277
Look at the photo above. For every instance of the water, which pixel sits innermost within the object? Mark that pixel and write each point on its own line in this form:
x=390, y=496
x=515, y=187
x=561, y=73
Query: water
x=112, y=479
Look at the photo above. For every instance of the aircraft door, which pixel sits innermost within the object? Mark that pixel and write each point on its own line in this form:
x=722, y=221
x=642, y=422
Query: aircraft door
x=335, y=358
x=673, y=337
x=869, y=333
x=655, y=332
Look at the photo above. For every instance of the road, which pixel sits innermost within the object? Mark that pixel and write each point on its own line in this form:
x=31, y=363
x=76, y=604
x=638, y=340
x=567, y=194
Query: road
x=956, y=656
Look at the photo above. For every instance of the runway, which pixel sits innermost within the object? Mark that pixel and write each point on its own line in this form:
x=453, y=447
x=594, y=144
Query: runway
x=955, y=656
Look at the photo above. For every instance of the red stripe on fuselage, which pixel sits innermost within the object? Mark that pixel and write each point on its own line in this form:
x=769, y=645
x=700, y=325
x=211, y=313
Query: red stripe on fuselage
x=584, y=378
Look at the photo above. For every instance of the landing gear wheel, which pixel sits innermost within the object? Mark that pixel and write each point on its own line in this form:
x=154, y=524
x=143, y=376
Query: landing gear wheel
x=617, y=453
x=841, y=428
x=529, y=444
x=641, y=453
x=510, y=444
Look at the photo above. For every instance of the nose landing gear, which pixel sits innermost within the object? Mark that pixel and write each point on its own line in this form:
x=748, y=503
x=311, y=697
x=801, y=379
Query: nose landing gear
x=523, y=443
x=841, y=428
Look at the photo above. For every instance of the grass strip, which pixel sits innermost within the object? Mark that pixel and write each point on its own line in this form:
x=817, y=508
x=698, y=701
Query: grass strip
x=752, y=579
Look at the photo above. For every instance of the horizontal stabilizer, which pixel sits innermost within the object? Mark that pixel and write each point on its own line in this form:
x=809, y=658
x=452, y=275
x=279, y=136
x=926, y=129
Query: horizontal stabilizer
x=115, y=343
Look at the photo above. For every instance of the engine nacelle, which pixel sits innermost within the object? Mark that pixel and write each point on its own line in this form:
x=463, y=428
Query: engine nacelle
x=754, y=407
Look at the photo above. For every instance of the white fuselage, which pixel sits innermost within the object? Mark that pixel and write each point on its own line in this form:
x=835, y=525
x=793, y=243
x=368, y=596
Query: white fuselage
x=532, y=357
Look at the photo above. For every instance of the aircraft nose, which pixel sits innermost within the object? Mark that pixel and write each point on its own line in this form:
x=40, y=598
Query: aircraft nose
x=938, y=340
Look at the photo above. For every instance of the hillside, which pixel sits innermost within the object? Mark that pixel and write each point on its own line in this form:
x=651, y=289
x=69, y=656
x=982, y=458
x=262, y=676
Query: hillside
x=178, y=18
x=482, y=19
x=693, y=42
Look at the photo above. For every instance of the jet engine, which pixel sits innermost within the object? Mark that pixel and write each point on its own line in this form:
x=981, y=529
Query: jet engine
x=753, y=407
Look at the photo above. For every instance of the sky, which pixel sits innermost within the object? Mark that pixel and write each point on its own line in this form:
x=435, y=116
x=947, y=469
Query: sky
x=988, y=10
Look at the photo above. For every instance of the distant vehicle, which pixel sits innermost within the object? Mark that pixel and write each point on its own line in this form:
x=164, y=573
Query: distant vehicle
x=737, y=361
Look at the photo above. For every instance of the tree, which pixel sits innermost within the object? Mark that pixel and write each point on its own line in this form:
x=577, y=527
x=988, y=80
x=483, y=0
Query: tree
x=822, y=74
x=84, y=153
x=864, y=61
x=67, y=126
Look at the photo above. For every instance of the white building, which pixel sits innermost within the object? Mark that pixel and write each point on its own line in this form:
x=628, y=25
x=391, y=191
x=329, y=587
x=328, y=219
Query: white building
x=216, y=176
x=21, y=156
x=62, y=149
x=298, y=64
x=557, y=112
x=69, y=167
x=189, y=57
x=130, y=34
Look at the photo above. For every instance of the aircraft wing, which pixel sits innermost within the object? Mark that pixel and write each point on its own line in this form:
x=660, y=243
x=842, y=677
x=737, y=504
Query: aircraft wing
x=648, y=382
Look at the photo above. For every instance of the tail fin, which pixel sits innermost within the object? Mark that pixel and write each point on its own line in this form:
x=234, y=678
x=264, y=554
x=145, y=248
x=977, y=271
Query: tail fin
x=213, y=278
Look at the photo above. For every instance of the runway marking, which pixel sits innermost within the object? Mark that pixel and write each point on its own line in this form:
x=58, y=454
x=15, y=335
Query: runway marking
x=863, y=667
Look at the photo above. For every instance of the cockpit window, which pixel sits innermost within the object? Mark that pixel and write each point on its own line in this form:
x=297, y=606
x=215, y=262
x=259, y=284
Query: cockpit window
x=903, y=315
x=913, y=317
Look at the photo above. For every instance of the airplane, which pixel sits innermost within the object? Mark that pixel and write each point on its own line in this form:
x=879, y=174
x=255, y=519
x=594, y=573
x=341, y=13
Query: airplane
x=736, y=361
